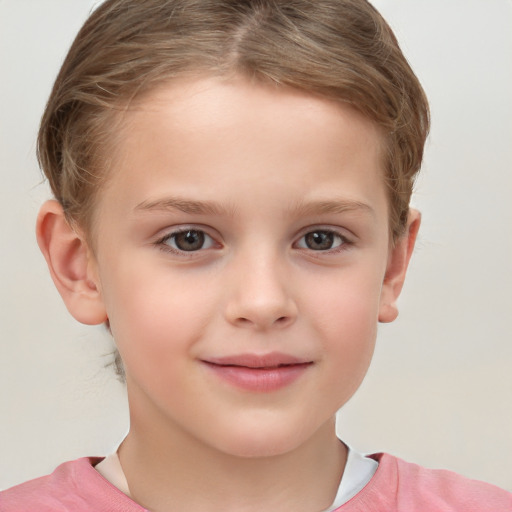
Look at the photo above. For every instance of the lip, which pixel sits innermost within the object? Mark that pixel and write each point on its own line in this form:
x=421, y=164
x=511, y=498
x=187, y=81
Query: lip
x=258, y=373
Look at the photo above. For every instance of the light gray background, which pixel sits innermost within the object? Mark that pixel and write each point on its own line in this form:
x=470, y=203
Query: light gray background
x=439, y=389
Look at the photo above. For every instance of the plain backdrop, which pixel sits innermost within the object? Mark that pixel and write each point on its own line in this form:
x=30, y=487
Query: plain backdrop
x=439, y=389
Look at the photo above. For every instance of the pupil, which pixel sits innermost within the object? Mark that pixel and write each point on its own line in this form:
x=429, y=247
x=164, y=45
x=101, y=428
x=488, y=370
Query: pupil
x=190, y=240
x=319, y=240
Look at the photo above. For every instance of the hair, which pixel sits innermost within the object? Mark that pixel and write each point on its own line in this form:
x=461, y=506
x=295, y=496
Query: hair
x=339, y=49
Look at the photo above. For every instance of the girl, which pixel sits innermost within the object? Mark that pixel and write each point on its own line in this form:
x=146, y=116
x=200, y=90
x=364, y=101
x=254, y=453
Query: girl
x=232, y=184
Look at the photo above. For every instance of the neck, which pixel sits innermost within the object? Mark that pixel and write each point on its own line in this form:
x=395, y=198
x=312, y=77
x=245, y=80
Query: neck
x=169, y=470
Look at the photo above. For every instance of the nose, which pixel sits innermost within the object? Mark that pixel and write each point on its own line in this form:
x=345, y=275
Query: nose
x=260, y=295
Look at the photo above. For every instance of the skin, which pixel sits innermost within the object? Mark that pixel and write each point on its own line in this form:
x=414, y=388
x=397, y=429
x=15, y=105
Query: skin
x=260, y=172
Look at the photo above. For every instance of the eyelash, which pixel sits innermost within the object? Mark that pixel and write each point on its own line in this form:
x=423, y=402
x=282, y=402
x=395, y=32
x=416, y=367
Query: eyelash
x=164, y=246
x=343, y=243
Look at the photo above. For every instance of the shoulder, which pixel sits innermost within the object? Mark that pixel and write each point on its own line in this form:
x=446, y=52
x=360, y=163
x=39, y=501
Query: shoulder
x=73, y=486
x=405, y=487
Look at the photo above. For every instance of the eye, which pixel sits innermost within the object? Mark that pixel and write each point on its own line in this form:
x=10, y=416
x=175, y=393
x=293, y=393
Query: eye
x=321, y=240
x=188, y=240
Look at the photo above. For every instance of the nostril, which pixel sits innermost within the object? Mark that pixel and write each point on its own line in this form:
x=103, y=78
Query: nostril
x=242, y=321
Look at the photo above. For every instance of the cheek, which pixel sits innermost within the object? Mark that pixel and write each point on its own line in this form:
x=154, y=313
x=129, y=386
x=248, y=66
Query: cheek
x=346, y=302
x=154, y=315
x=345, y=318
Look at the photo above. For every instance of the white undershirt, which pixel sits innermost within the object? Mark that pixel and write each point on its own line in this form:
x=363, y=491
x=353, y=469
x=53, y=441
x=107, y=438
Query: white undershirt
x=110, y=469
x=358, y=472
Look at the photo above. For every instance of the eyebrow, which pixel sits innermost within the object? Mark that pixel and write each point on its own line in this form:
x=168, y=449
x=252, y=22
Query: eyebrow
x=184, y=205
x=192, y=207
x=332, y=206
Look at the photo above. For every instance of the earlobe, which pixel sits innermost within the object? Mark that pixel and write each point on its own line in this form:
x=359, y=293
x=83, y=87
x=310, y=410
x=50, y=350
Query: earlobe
x=70, y=264
x=396, y=269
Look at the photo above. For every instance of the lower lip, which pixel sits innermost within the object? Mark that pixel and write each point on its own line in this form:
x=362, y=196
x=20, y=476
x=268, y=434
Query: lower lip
x=262, y=380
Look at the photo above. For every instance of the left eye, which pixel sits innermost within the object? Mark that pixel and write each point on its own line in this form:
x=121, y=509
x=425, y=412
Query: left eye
x=189, y=240
x=321, y=240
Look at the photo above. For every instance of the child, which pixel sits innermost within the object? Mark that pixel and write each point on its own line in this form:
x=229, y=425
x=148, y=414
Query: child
x=232, y=181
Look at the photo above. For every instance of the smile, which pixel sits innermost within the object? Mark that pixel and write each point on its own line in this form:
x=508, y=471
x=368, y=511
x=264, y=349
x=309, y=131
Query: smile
x=255, y=373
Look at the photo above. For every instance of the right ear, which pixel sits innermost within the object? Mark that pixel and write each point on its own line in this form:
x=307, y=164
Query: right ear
x=71, y=264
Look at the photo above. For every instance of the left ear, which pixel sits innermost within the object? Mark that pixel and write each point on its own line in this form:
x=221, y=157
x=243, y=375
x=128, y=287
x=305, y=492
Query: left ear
x=398, y=261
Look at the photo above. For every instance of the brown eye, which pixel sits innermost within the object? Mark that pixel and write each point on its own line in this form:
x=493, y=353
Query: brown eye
x=321, y=240
x=189, y=240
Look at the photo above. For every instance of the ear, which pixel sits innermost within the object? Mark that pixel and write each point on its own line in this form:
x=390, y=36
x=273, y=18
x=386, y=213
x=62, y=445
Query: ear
x=398, y=261
x=71, y=264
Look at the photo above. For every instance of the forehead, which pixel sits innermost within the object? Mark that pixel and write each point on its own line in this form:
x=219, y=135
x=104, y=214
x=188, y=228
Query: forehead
x=216, y=108
x=212, y=102
x=233, y=134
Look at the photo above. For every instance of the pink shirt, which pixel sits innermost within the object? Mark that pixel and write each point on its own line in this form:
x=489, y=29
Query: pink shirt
x=397, y=486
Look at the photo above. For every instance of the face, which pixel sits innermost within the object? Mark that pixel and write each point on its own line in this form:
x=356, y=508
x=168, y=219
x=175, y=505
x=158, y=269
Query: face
x=241, y=249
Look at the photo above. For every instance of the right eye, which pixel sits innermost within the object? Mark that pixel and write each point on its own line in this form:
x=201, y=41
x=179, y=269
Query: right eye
x=187, y=240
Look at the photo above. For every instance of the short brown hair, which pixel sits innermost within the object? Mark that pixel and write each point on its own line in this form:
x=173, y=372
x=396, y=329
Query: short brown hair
x=340, y=49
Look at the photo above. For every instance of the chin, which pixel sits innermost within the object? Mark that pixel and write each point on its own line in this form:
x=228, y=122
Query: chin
x=259, y=448
x=260, y=441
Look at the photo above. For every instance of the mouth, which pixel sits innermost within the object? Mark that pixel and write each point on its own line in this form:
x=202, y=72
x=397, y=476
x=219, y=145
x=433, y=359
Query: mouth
x=259, y=373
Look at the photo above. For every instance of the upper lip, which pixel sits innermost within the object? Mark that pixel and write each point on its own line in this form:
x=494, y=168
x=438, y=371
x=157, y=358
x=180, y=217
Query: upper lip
x=270, y=360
